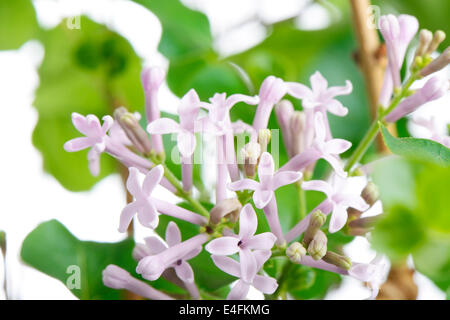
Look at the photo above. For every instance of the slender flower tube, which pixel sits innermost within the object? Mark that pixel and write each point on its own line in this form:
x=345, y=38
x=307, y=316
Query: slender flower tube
x=264, y=196
x=284, y=110
x=132, y=129
x=117, y=278
x=271, y=91
x=244, y=243
x=185, y=130
x=397, y=33
x=321, y=148
x=373, y=273
x=432, y=132
x=340, y=195
x=152, y=267
x=320, y=264
x=95, y=137
x=152, y=78
x=320, y=98
x=240, y=290
x=434, y=89
x=437, y=64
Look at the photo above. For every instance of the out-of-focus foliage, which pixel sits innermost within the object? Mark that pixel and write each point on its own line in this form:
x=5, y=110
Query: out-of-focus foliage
x=18, y=23
x=416, y=221
x=90, y=71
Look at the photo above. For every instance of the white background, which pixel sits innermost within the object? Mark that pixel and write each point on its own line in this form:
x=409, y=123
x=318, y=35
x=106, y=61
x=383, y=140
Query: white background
x=30, y=196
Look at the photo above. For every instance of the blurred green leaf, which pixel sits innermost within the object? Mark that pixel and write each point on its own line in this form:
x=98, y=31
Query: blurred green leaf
x=18, y=23
x=52, y=249
x=417, y=149
x=324, y=280
x=90, y=71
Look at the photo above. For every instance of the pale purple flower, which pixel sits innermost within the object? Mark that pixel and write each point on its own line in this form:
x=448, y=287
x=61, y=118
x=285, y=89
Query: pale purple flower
x=434, y=89
x=321, y=148
x=271, y=91
x=373, y=273
x=146, y=211
x=155, y=246
x=152, y=78
x=95, y=137
x=320, y=97
x=244, y=243
x=397, y=33
x=240, y=290
x=117, y=278
x=269, y=181
x=185, y=130
x=264, y=195
x=341, y=195
x=432, y=133
x=284, y=111
x=176, y=255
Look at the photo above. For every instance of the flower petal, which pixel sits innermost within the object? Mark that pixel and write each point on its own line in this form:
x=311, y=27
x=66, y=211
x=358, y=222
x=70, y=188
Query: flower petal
x=248, y=265
x=338, y=219
x=263, y=241
x=148, y=216
x=133, y=184
x=336, y=164
x=264, y=284
x=78, y=144
x=223, y=246
x=261, y=257
x=299, y=91
x=193, y=253
x=318, y=185
x=244, y=184
x=266, y=166
x=337, y=146
x=185, y=272
x=127, y=215
x=285, y=177
x=340, y=91
x=262, y=197
x=318, y=83
x=248, y=222
x=235, y=98
x=152, y=179
x=155, y=245
x=363, y=271
x=335, y=107
x=355, y=202
x=228, y=265
x=239, y=291
x=173, y=235
x=163, y=126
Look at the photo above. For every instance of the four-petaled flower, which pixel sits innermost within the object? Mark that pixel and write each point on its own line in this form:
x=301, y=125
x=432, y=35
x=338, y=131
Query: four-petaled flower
x=269, y=181
x=320, y=96
x=244, y=243
x=240, y=290
x=173, y=237
x=95, y=137
x=146, y=211
x=373, y=273
x=340, y=196
x=188, y=111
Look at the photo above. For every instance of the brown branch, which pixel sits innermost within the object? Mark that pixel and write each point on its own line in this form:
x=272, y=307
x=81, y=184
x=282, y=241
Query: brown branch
x=370, y=57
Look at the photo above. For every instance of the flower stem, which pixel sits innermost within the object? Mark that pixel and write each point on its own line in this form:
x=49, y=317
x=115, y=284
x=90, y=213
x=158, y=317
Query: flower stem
x=373, y=129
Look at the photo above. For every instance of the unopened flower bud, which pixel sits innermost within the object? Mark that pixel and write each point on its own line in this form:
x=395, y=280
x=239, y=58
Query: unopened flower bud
x=426, y=36
x=367, y=222
x=264, y=136
x=338, y=260
x=284, y=110
x=226, y=208
x=318, y=246
x=370, y=193
x=250, y=154
x=316, y=221
x=295, y=252
x=296, y=126
x=133, y=130
x=437, y=64
x=438, y=38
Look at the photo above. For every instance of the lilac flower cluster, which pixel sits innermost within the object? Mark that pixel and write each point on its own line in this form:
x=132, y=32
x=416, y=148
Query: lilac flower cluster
x=307, y=138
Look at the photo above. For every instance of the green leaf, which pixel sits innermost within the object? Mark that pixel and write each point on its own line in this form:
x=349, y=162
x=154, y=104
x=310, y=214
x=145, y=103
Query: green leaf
x=18, y=23
x=52, y=249
x=399, y=233
x=417, y=149
x=90, y=71
x=324, y=281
